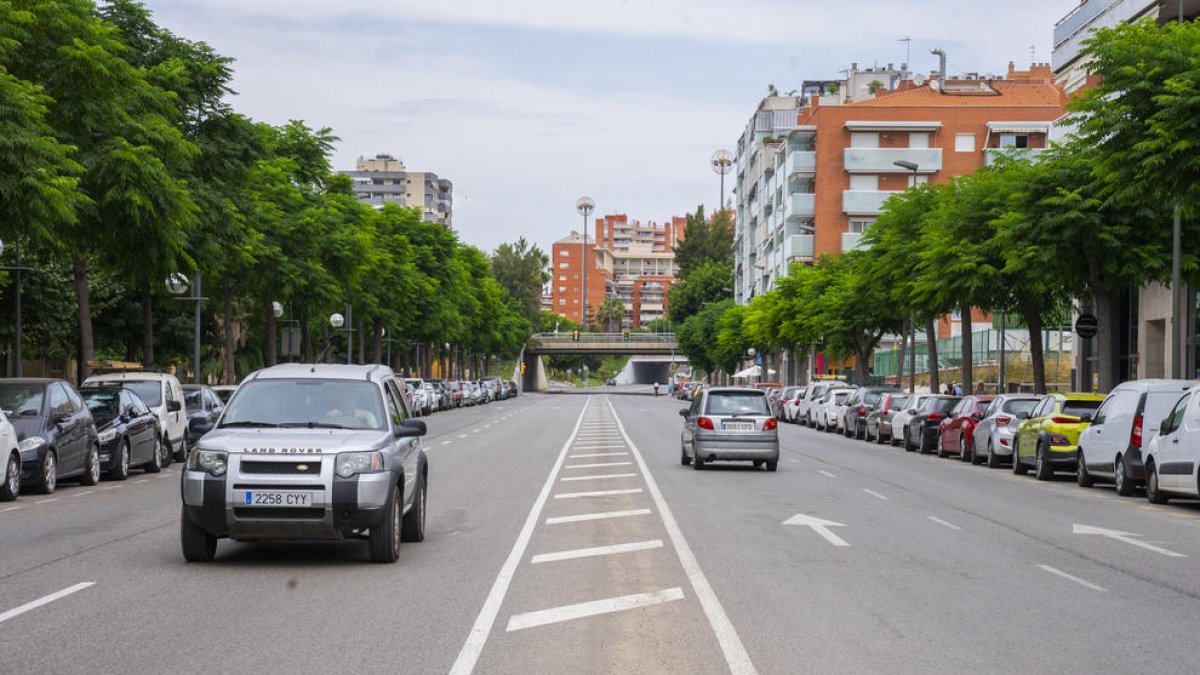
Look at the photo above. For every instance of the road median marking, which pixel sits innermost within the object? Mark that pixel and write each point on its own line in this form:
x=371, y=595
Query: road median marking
x=874, y=494
x=597, y=516
x=599, y=454
x=598, y=477
x=1069, y=577
x=593, y=608
x=596, y=465
x=597, y=493
x=595, y=551
x=44, y=600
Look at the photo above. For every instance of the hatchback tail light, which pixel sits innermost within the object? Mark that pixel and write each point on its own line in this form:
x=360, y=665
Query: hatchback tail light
x=770, y=424
x=933, y=417
x=1003, y=420
x=1135, y=436
x=705, y=423
x=862, y=410
x=1065, y=420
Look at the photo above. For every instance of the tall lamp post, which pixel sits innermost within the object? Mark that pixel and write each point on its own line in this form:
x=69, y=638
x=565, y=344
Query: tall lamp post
x=16, y=269
x=1178, y=309
x=751, y=352
x=722, y=163
x=912, y=321
x=177, y=285
x=337, y=321
x=584, y=206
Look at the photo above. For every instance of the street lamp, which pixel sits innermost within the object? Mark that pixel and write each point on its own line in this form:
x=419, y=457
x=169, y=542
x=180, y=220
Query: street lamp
x=751, y=352
x=722, y=163
x=337, y=321
x=177, y=285
x=912, y=322
x=16, y=269
x=585, y=206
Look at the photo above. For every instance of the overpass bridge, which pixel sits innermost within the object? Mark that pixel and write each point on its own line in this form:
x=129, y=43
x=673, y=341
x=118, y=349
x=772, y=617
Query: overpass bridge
x=588, y=344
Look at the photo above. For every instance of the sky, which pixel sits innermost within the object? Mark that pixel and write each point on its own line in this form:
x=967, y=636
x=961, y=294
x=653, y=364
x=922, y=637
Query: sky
x=526, y=105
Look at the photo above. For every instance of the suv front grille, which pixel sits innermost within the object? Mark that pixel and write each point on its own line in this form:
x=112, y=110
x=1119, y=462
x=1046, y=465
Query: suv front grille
x=282, y=468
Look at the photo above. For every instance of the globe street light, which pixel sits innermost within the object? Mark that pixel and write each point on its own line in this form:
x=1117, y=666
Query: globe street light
x=585, y=206
x=337, y=320
x=722, y=163
x=177, y=285
x=752, y=352
x=277, y=309
x=16, y=269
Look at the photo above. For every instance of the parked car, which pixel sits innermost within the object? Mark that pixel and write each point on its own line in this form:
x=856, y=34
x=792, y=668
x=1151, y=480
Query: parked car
x=827, y=410
x=1125, y=423
x=879, y=417
x=474, y=393
x=993, y=437
x=224, y=391
x=128, y=432
x=729, y=424
x=433, y=398
x=813, y=393
x=853, y=422
x=55, y=431
x=1049, y=439
x=1173, y=455
x=956, y=432
x=441, y=395
x=10, y=456
x=513, y=390
x=788, y=402
x=201, y=402
x=458, y=394
x=422, y=404
x=495, y=388
x=924, y=422
x=902, y=417
x=162, y=393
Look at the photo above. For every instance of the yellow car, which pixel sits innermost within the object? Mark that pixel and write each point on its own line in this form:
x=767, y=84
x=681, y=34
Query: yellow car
x=1048, y=440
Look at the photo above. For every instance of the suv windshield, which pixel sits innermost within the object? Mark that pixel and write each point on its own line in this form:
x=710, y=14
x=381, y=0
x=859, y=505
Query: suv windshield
x=21, y=399
x=150, y=391
x=338, y=404
x=738, y=403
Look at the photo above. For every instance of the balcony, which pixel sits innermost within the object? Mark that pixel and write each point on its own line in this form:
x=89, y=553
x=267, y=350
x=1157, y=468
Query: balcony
x=864, y=202
x=850, y=241
x=802, y=162
x=799, y=247
x=802, y=205
x=990, y=154
x=882, y=160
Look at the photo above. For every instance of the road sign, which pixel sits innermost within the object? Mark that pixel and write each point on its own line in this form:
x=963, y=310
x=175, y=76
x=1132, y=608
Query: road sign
x=758, y=359
x=290, y=339
x=1086, y=326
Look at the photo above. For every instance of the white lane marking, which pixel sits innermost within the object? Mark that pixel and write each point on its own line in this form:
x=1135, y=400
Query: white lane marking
x=609, y=446
x=939, y=521
x=47, y=501
x=597, y=493
x=596, y=465
x=86, y=492
x=1126, y=537
x=735, y=653
x=597, y=516
x=445, y=442
x=874, y=494
x=164, y=474
x=141, y=480
x=593, y=608
x=818, y=525
x=477, y=638
x=475, y=431
x=463, y=435
x=44, y=600
x=823, y=472
x=11, y=508
x=598, y=454
x=1064, y=575
x=596, y=551
x=598, y=477
x=794, y=461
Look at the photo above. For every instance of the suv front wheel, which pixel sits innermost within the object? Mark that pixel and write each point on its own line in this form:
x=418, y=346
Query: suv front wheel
x=384, y=539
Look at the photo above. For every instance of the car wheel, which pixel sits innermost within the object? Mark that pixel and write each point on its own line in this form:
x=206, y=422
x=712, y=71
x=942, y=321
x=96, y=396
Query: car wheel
x=383, y=541
x=1153, y=494
x=683, y=456
x=976, y=460
x=1123, y=484
x=1082, y=477
x=1017, y=467
x=697, y=460
x=158, y=459
x=91, y=467
x=12, y=478
x=909, y=446
x=993, y=461
x=47, y=478
x=922, y=446
x=181, y=453
x=772, y=465
x=120, y=470
x=414, y=521
x=1042, y=468
x=941, y=447
x=197, y=545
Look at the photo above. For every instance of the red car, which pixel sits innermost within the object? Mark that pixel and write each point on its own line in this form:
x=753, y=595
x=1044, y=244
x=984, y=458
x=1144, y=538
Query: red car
x=956, y=431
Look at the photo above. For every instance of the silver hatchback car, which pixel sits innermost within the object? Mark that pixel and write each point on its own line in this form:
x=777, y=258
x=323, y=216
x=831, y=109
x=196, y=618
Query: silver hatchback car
x=729, y=423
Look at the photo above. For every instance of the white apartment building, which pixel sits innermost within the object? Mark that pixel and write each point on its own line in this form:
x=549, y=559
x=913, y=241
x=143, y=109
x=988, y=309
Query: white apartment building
x=384, y=179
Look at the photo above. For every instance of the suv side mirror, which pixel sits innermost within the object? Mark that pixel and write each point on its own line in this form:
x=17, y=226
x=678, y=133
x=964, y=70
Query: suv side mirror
x=174, y=406
x=411, y=429
x=60, y=416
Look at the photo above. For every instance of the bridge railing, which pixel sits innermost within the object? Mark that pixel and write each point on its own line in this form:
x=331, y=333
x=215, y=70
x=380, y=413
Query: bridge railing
x=606, y=338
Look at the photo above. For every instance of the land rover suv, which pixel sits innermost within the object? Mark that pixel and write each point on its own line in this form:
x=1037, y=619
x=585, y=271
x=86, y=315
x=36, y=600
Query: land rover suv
x=308, y=452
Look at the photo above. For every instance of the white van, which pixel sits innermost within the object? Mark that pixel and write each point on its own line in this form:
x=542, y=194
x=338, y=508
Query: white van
x=1124, y=424
x=1173, y=456
x=162, y=393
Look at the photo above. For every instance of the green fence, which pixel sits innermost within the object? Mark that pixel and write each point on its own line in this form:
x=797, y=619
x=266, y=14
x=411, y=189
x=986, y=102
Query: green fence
x=985, y=345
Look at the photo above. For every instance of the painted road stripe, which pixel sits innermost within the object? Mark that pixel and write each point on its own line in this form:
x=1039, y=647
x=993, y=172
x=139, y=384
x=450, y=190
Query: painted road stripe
x=47, y=501
x=462, y=435
x=874, y=494
x=593, y=608
x=598, y=447
x=468, y=656
x=11, y=508
x=943, y=523
x=1081, y=582
x=736, y=656
x=597, y=493
x=598, y=454
x=86, y=492
x=599, y=477
x=597, y=516
x=823, y=472
x=596, y=551
x=44, y=600
x=596, y=465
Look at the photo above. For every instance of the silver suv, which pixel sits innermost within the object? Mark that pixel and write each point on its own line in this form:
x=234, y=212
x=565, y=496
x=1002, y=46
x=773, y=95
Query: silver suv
x=309, y=452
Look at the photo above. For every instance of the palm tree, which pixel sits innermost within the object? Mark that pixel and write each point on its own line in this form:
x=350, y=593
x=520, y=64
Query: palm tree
x=610, y=313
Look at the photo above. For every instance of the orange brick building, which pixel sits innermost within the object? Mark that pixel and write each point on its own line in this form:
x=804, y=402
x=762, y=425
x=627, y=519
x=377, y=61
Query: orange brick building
x=566, y=280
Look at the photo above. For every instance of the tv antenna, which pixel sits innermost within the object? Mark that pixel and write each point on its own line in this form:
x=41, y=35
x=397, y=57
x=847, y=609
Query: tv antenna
x=907, y=40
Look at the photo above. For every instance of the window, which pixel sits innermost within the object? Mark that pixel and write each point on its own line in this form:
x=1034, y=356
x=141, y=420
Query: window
x=562, y=289
x=563, y=253
x=562, y=301
x=918, y=139
x=964, y=142
x=864, y=182
x=58, y=399
x=563, y=265
x=562, y=277
x=1176, y=418
x=864, y=139
x=1014, y=140
x=860, y=226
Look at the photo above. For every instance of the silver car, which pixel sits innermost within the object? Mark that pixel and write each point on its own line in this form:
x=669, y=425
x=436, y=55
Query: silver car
x=902, y=417
x=729, y=423
x=806, y=409
x=993, y=437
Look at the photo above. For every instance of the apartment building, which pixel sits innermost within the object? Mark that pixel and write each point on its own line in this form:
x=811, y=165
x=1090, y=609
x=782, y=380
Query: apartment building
x=568, y=256
x=617, y=233
x=383, y=179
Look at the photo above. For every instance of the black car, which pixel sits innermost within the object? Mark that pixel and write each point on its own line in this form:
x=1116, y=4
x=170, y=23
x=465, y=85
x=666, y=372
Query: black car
x=129, y=433
x=923, y=429
x=200, y=402
x=55, y=432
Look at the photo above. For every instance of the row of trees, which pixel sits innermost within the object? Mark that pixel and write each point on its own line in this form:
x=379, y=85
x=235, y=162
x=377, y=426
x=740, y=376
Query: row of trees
x=122, y=162
x=1085, y=223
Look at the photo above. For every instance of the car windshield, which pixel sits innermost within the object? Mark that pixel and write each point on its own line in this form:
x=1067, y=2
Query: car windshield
x=104, y=404
x=21, y=399
x=337, y=404
x=150, y=391
x=1080, y=408
x=737, y=403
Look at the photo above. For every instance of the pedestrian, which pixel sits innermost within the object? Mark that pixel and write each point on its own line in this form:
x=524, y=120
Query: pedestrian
x=979, y=391
x=958, y=390
x=656, y=390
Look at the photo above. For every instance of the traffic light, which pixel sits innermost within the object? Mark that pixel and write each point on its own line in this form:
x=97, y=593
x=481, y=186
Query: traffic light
x=522, y=367
x=625, y=334
x=575, y=335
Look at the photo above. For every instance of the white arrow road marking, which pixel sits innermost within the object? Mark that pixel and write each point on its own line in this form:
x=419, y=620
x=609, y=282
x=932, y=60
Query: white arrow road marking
x=818, y=525
x=1081, y=582
x=586, y=609
x=1126, y=537
x=44, y=600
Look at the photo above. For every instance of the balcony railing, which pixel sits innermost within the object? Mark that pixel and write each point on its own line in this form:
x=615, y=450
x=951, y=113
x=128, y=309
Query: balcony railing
x=802, y=161
x=850, y=241
x=990, y=154
x=802, y=205
x=1081, y=16
x=864, y=202
x=882, y=160
x=799, y=246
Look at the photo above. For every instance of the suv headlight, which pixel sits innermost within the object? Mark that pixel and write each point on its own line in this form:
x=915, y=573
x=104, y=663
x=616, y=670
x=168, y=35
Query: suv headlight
x=212, y=461
x=351, y=463
x=107, y=436
x=30, y=444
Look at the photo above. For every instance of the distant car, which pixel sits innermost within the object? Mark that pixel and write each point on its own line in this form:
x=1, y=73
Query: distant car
x=879, y=417
x=513, y=389
x=853, y=422
x=827, y=411
x=162, y=393
x=458, y=393
x=813, y=393
x=788, y=400
x=10, y=456
x=993, y=435
x=201, y=403
x=923, y=427
x=903, y=416
x=1122, y=427
x=422, y=403
x=55, y=431
x=612, y=382
x=1049, y=439
x=1173, y=455
x=224, y=391
x=729, y=424
x=128, y=432
x=955, y=435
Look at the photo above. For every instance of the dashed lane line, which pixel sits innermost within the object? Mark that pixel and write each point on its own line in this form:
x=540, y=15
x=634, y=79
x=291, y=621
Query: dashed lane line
x=593, y=608
x=596, y=465
x=597, y=493
x=47, y=501
x=44, y=600
x=598, y=477
x=86, y=492
x=825, y=473
x=875, y=494
x=606, y=515
x=594, y=551
x=1069, y=577
x=943, y=523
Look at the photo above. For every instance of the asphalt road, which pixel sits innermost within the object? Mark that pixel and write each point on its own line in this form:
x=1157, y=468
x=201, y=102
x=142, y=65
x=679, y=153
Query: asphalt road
x=563, y=535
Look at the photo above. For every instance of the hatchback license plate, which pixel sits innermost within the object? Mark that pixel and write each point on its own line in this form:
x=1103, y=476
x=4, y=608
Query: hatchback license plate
x=276, y=498
x=738, y=426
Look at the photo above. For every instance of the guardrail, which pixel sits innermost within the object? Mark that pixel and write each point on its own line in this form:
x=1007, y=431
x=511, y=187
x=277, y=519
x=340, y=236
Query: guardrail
x=606, y=338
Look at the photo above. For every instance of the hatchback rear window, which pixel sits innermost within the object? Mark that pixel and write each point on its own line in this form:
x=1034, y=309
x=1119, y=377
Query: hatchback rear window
x=1020, y=405
x=899, y=403
x=941, y=405
x=1078, y=408
x=738, y=403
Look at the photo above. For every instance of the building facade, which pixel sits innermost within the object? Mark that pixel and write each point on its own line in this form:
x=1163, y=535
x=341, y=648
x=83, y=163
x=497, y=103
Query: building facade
x=383, y=179
x=568, y=256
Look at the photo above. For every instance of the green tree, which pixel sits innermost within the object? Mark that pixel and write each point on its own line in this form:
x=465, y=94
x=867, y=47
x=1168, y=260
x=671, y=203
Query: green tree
x=704, y=240
x=610, y=313
x=708, y=282
x=522, y=268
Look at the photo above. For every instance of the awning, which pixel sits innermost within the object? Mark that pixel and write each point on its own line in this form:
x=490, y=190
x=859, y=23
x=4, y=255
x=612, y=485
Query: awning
x=1019, y=127
x=872, y=125
x=752, y=371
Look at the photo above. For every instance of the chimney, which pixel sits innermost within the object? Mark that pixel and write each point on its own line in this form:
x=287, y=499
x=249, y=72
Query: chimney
x=941, y=54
